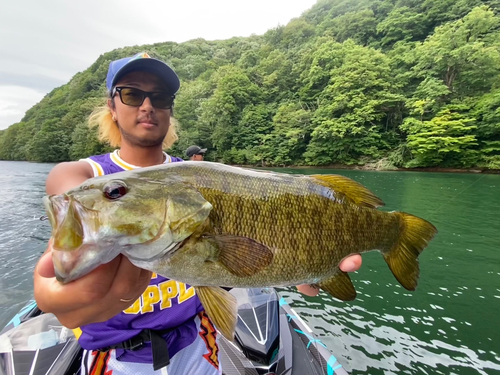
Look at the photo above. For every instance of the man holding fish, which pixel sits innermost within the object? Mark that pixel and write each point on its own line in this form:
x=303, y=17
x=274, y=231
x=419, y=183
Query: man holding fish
x=126, y=316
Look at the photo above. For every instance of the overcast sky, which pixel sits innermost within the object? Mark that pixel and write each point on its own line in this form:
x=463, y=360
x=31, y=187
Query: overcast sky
x=43, y=43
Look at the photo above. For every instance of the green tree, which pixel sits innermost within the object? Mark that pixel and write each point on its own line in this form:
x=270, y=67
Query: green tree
x=221, y=113
x=8, y=151
x=355, y=108
x=459, y=55
x=360, y=26
x=402, y=23
x=444, y=140
x=349, y=81
x=487, y=113
x=290, y=137
x=50, y=144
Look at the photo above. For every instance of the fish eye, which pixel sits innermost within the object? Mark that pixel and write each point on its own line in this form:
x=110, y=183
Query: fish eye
x=115, y=189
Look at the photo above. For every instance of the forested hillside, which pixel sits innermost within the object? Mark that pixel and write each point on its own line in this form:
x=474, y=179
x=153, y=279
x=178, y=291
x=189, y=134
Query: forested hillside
x=409, y=83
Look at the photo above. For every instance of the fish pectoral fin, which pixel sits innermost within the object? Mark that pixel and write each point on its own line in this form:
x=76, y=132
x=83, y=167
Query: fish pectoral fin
x=352, y=190
x=221, y=308
x=242, y=256
x=339, y=286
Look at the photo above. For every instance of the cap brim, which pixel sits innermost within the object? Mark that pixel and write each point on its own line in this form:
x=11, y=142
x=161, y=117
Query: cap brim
x=153, y=66
x=202, y=151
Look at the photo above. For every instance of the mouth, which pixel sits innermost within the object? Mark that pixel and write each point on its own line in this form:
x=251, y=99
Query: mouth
x=147, y=122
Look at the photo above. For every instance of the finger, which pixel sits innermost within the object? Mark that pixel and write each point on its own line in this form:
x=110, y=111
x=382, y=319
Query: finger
x=308, y=290
x=128, y=285
x=145, y=278
x=45, y=267
x=130, y=281
x=95, y=297
x=85, y=291
x=351, y=263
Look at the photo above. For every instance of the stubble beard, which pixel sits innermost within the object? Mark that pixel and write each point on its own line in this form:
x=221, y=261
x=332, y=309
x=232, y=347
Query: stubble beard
x=140, y=142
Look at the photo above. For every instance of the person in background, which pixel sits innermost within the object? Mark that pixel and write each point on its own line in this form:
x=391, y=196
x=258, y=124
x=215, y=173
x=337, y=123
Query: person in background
x=196, y=153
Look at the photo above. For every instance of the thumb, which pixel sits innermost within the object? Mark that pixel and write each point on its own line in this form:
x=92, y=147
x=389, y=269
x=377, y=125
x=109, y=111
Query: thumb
x=45, y=267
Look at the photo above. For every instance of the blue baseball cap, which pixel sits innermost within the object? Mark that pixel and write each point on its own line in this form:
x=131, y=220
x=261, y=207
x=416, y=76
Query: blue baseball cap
x=142, y=62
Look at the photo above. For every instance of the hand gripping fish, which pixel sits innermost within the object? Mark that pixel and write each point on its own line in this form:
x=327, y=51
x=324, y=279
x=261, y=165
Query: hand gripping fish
x=211, y=225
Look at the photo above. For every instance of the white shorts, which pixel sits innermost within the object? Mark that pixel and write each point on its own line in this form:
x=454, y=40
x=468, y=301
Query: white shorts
x=197, y=358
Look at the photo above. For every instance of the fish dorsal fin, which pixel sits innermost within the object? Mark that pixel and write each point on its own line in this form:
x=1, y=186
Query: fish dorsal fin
x=352, y=190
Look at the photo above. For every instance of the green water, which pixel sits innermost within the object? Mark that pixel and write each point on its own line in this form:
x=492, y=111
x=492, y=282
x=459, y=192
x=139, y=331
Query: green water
x=448, y=326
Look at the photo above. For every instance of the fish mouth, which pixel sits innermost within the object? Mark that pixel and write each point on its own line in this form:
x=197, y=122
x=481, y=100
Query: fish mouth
x=169, y=250
x=49, y=210
x=66, y=216
x=71, y=265
x=135, y=256
x=173, y=249
x=71, y=224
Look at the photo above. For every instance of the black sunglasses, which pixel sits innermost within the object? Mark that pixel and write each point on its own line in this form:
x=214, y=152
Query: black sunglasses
x=135, y=97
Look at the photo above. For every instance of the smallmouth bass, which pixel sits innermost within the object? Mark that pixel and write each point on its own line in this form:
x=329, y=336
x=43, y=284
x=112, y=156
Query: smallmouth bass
x=211, y=225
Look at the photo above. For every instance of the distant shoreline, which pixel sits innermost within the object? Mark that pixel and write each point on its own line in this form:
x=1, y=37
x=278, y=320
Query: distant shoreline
x=366, y=168
x=369, y=168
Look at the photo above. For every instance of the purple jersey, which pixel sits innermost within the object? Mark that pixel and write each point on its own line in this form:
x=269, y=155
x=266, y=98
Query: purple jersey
x=165, y=303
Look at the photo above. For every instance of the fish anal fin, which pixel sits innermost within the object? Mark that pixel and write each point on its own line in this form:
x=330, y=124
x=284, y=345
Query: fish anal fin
x=242, y=256
x=352, y=190
x=339, y=286
x=221, y=308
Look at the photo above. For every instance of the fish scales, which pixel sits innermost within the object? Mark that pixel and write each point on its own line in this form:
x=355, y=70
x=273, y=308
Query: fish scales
x=308, y=230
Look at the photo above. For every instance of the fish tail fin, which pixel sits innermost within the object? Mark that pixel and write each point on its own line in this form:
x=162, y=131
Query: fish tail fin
x=415, y=234
x=221, y=308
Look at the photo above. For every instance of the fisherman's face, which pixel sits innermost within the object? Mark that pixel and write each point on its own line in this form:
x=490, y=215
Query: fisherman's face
x=197, y=157
x=143, y=126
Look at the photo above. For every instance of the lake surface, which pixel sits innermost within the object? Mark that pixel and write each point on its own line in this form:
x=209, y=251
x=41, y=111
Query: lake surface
x=449, y=325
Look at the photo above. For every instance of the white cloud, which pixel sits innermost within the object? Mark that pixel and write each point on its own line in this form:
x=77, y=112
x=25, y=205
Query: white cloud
x=44, y=43
x=14, y=101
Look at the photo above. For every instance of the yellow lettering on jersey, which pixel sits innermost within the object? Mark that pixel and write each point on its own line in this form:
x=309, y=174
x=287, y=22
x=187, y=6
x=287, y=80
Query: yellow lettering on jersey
x=154, y=275
x=185, y=294
x=150, y=296
x=135, y=308
x=168, y=291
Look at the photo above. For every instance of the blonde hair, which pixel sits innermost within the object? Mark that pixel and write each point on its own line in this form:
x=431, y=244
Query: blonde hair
x=110, y=133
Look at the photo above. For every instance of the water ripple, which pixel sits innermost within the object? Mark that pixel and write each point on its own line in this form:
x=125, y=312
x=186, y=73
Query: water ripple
x=448, y=326
x=23, y=237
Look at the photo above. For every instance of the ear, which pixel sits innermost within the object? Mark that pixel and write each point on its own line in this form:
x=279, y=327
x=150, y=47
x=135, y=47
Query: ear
x=112, y=109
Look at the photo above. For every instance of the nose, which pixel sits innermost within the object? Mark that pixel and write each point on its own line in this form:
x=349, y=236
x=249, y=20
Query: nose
x=147, y=106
